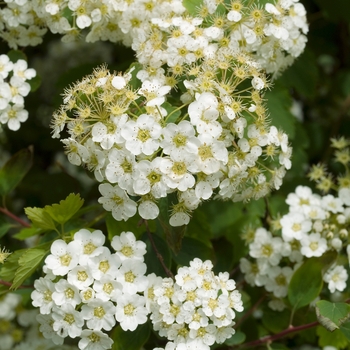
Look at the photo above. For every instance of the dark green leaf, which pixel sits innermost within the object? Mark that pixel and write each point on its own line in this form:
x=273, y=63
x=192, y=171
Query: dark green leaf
x=126, y=340
x=16, y=55
x=4, y=227
x=28, y=263
x=34, y=83
x=332, y=315
x=306, y=283
x=345, y=329
x=237, y=338
x=14, y=170
x=193, y=248
x=63, y=211
x=276, y=321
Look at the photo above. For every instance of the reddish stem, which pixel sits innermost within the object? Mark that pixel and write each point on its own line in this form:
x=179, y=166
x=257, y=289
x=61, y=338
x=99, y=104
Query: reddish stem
x=9, y=284
x=14, y=217
x=271, y=338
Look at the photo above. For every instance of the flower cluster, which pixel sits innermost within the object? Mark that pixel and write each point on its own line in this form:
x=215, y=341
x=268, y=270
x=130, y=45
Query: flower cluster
x=313, y=226
x=218, y=142
x=197, y=309
x=87, y=289
x=13, y=88
x=273, y=35
x=19, y=329
x=165, y=31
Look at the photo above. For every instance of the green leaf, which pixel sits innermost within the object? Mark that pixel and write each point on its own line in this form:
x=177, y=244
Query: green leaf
x=192, y=6
x=279, y=102
x=34, y=83
x=134, y=81
x=127, y=340
x=28, y=232
x=151, y=259
x=10, y=266
x=336, y=338
x=14, y=170
x=15, y=55
x=237, y=338
x=345, y=329
x=276, y=321
x=63, y=211
x=40, y=218
x=306, y=283
x=174, y=115
x=332, y=315
x=4, y=227
x=28, y=263
x=193, y=248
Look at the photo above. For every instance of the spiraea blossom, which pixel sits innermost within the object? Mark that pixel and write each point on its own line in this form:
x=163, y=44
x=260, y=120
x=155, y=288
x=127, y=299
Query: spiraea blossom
x=313, y=226
x=85, y=289
x=14, y=87
x=197, y=309
x=218, y=143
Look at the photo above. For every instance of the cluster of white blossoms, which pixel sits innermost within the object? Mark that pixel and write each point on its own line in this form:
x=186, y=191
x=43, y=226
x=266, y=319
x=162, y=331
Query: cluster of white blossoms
x=218, y=143
x=273, y=34
x=13, y=88
x=165, y=31
x=197, y=309
x=19, y=329
x=313, y=226
x=87, y=289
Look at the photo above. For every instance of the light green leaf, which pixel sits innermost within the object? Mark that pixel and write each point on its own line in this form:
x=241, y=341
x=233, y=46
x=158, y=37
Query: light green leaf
x=14, y=170
x=63, y=211
x=28, y=232
x=336, y=338
x=306, y=283
x=127, y=340
x=192, y=6
x=10, y=266
x=332, y=315
x=28, y=263
x=40, y=218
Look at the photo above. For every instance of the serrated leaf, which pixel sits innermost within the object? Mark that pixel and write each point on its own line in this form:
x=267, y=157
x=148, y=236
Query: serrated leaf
x=28, y=232
x=332, y=315
x=40, y=218
x=192, y=6
x=336, y=338
x=15, y=55
x=63, y=211
x=306, y=283
x=28, y=263
x=126, y=340
x=14, y=170
x=10, y=266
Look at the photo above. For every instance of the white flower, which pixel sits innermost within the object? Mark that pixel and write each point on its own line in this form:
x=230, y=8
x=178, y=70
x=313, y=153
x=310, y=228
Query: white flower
x=294, y=225
x=313, y=245
x=107, y=288
x=66, y=293
x=127, y=247
x=46, y=322
x=42, y=295
x=63, y=257
x=93, y=340
x=105, y=264
x=154, y=92
x=131, y=275
x=67, y=321
x=131, y=311
x=13, y=115
x=336, y=278
x=80, y=277
x=142, y=135
x=344, y=195
x=99, y=314
x=116, y=200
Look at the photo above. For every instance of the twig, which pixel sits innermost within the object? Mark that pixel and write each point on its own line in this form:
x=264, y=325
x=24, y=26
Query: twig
x=159, y=256
x=14, y=217
x=250, y=311
x=271, y=338
x=9, y=284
